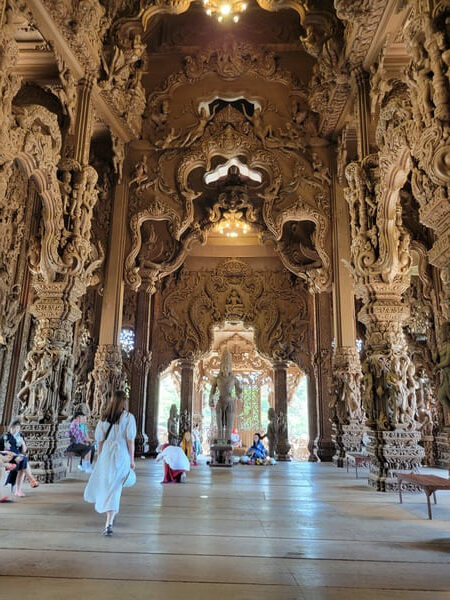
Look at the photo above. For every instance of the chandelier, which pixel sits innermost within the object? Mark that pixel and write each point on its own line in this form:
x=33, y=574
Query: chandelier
x=232, y=225
x=225, y=10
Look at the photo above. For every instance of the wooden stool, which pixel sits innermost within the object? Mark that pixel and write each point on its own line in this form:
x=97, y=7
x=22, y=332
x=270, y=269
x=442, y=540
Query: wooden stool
x=357, y=459
x=70, y=457
x=429, y=484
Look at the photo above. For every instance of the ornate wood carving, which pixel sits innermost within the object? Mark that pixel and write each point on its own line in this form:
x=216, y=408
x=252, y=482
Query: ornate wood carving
x=275, y=306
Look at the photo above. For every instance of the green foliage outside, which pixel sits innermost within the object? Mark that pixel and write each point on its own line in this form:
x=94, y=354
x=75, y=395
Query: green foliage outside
x=298, y=411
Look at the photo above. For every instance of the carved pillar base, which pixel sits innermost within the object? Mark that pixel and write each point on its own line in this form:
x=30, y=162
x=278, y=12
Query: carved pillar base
x=443, y=449
x=325, y=450
x=141, y=444
x=312, y=449
x=47, y=444
x=427, y=442
x=392, y=451
x=283, y=449
x=352, y=437
x=339, y=450
x=347, y=438
x=345, y=403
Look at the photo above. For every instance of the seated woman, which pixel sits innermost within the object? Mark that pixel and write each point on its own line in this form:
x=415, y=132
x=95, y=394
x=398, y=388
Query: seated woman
x=5, y=463
x=80, y=443
x=13, y=442
x=235, y=438
x=176, y=464
x=257, y=450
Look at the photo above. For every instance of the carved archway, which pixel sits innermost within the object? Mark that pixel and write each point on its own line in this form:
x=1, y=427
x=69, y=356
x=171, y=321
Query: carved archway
x=277, y=307
x=166, y=184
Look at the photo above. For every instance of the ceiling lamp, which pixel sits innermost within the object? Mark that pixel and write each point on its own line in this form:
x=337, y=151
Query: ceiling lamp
x=225, y=10
x=232, y=225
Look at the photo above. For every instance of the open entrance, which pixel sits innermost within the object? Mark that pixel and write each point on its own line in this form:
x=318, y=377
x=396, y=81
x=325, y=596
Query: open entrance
x=169, y=394
x=251, y=411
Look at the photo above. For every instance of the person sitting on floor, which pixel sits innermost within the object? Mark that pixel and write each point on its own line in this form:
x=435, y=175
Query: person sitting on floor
x=176, y=464
x=80, y=444
x=13, y=442
x=6, y=463
x=235, y=438
x=257, y=451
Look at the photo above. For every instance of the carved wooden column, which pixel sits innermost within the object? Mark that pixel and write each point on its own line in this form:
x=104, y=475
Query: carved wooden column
x=46, y=394
x=140, y=365
x=186, y=395
x=322, y=364
x=106, y=376
x=151, y=410
x=281, y=409
x=83, y=122
x=361, y=80
x=426, y=39
x=345, y=396
x=312, y=417
x=381, y=268
x=394, y=442
x=63, y=260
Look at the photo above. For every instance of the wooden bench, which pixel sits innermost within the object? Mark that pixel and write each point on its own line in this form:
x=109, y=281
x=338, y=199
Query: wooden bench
x=429, y=483
x=357, y=459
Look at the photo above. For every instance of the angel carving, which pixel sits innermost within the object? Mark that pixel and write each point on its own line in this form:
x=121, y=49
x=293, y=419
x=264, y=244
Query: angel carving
x=261, y=129
x=197, y=131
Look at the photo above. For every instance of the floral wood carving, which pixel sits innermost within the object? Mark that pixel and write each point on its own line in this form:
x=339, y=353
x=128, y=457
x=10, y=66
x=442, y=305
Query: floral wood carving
x=275, y=306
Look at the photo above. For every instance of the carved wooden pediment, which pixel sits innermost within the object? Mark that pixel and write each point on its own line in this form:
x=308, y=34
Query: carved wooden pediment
x=272, y=303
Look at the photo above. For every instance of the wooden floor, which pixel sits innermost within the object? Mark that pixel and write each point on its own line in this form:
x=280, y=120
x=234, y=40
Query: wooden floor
x=292, y=531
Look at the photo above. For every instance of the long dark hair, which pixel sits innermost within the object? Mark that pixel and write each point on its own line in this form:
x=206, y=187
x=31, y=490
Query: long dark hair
x=116, y=407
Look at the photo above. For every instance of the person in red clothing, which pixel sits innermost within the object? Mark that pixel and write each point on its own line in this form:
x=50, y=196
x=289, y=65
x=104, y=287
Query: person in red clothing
x=176, y=464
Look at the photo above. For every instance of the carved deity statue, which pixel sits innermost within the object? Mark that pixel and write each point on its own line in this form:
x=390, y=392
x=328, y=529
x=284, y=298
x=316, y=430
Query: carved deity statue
x=424, y=416
x=172, y=426
x=38, y=397
x=126, y=59
x=272, y=432
x=225, y=382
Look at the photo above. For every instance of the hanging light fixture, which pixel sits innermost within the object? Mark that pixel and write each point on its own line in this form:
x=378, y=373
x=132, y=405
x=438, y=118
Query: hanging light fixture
x=225, y=10
x=232, y=225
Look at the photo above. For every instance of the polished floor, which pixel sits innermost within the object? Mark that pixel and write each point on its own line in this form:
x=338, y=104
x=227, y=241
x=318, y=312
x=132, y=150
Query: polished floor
x=297, y=531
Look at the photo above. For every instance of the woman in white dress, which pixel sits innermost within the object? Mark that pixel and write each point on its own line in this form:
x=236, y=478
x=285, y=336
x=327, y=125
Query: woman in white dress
x=115, y=435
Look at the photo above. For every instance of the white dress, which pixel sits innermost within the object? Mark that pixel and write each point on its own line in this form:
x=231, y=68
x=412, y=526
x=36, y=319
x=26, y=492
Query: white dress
x=104, y=487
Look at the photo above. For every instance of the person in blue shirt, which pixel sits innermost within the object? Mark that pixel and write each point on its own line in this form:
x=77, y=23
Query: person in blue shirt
x=257, y=450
